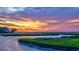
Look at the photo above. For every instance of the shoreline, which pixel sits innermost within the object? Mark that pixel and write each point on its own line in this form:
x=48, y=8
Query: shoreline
x=56, y=47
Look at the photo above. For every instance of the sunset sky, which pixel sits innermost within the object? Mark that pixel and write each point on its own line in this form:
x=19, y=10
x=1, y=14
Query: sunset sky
x=40, y=19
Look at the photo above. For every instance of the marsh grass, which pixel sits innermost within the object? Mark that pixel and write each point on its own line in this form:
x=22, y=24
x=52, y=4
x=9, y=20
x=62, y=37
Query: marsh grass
x=58, y=42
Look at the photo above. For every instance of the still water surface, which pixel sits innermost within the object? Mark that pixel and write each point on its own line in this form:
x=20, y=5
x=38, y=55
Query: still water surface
x=10, y=43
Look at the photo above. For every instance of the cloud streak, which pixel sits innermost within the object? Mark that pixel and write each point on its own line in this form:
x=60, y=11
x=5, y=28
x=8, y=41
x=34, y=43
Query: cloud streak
x=40, y=19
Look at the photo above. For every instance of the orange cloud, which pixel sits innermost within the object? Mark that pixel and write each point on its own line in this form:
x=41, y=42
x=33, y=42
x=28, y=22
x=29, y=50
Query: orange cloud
x=24, y=26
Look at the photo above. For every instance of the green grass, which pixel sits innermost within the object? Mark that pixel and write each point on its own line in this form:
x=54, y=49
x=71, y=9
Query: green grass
x=58, y=42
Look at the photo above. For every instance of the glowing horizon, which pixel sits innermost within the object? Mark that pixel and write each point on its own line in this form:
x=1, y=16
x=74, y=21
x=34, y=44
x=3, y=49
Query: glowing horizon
x=40, y=19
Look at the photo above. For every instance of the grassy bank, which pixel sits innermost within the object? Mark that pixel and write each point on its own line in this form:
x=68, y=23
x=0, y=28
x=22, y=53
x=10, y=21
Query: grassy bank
x=50, y=42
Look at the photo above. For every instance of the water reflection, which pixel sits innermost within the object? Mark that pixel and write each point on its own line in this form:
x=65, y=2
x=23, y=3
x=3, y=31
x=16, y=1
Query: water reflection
x=10, y=43
x=54, y=36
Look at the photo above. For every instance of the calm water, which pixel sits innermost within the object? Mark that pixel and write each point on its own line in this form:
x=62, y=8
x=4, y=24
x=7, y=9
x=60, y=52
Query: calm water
x=10, y=43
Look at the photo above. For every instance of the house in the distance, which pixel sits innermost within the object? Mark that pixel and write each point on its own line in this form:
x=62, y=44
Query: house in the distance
x=6, y=30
